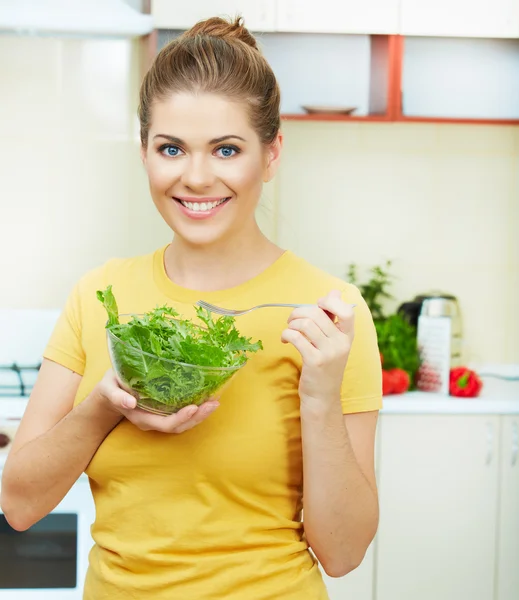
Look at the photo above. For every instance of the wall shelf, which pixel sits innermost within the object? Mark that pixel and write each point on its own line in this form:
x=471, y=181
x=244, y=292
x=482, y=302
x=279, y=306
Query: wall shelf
x=326, y=117
x=461, y=80
x=387, y=81
x=404, y=119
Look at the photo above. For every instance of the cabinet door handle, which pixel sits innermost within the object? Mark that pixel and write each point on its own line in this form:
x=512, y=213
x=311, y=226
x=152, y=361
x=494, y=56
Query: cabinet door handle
x=490, y=443
x=515, y=443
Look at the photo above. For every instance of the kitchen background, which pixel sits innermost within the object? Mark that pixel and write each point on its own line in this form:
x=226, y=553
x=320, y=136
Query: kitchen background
x=439, y=199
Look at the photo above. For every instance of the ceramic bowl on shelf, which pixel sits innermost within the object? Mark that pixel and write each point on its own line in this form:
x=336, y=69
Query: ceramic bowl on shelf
x=328, y=110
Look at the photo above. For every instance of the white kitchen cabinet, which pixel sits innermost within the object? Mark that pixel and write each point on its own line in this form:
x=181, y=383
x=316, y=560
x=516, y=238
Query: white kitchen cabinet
x=508, y=548
x=439, y=481
x=338, y=16
x=259, y=15
x=461, y=18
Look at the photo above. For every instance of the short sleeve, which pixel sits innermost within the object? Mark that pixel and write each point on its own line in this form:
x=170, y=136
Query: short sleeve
x=362, y=382
x=65, y=345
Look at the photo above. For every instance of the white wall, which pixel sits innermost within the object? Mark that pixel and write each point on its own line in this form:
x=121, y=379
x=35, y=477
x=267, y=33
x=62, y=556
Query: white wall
x=441, y=201
x=72, y=189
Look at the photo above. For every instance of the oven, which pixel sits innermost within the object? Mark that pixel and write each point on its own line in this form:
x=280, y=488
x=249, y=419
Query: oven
x=50, y=559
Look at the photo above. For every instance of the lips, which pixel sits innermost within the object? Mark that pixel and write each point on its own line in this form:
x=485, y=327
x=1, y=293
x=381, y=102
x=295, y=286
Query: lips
x=201, y=204
x=200, y=208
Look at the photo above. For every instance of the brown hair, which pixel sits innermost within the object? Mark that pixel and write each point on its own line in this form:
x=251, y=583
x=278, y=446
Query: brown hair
x=215, y=56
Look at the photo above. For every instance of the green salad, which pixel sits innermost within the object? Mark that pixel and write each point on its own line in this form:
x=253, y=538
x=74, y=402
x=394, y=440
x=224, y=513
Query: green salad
x=173, y=362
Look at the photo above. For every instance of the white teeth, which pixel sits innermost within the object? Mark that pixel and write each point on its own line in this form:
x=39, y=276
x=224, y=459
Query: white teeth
x=202, y=206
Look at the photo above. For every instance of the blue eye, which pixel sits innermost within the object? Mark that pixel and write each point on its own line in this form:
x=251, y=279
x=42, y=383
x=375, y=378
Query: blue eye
x=228, y=151
x=170, y=150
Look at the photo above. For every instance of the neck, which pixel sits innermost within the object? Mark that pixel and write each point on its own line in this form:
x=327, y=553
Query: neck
x=222, y=265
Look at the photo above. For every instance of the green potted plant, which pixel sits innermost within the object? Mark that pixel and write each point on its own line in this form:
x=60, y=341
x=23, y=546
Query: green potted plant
x=396, y=336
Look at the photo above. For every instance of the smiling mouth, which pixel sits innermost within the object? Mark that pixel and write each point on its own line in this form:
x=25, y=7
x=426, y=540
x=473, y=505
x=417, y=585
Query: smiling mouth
x=201, y=206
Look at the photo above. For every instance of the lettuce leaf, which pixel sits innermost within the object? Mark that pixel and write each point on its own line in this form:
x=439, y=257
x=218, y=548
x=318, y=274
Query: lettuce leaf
x=162, y=334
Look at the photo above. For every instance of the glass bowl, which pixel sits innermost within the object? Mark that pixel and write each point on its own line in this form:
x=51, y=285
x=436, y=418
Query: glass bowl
x=163, y=386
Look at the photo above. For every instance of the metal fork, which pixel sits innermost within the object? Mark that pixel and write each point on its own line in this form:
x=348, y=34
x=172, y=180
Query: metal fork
x=236, y=313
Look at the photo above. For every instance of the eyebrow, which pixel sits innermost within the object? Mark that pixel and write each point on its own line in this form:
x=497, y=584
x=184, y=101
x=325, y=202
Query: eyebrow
x=176, y=140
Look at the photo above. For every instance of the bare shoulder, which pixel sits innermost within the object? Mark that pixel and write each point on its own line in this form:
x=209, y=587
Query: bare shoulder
x=52, y=398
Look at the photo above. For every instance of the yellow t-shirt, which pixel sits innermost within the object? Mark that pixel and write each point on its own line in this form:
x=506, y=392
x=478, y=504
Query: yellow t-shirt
x=211, y=513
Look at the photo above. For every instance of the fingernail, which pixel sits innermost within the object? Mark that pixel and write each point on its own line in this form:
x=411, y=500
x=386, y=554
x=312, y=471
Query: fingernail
x=128, y=402
x=212, y=407
x=191, y=412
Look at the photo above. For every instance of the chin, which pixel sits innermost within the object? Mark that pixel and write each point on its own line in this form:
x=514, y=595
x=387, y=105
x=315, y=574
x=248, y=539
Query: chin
x=200, y=232
x=203, y=236
x=206, y=233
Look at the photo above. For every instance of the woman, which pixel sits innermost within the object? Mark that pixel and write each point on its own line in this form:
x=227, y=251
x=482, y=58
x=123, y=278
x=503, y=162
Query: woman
x=207, y=503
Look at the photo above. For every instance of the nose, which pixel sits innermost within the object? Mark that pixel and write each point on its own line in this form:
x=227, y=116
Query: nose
x=197, y=173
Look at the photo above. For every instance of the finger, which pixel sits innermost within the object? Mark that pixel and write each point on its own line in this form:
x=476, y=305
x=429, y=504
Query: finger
x=203, y=412
x=298, y=340
x=184, y=419
x=318, y=316
x=116, y=393
x=123, y=400
x=147, y=421
x=340, y=309
x=309, y=328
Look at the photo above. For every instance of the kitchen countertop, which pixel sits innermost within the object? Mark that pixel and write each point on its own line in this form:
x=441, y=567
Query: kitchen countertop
x=497, y=397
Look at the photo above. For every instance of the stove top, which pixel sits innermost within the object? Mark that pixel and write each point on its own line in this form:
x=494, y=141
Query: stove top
x=24, y=334
x=17, y=381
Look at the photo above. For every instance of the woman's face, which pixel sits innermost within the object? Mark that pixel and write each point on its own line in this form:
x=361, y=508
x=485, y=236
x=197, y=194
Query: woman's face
x=206, y=166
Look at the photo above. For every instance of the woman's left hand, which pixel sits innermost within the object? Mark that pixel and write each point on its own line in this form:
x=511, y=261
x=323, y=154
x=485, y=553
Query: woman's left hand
x=323, y=335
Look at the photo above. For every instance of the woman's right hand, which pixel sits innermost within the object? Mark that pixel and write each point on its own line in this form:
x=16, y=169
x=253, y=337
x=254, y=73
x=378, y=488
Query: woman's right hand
x=110, y=391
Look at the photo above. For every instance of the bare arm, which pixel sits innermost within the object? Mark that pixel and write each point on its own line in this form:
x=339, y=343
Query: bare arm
x=56, y=441
x=340, y=494
x=53, y=445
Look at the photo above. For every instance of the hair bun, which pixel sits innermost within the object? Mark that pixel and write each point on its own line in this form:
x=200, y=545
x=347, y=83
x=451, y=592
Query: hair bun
x=222, y=28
